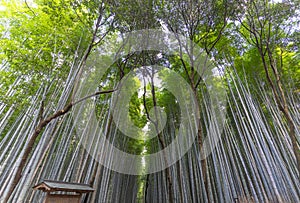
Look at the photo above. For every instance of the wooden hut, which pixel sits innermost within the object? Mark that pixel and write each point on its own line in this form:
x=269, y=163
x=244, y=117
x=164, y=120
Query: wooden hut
x=69, y=192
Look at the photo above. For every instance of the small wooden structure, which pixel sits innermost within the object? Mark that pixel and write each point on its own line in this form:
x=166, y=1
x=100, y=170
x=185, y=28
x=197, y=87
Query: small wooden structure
x=72, y=191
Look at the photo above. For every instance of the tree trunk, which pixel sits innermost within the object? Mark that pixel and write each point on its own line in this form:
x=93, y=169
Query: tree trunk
x=29, y=146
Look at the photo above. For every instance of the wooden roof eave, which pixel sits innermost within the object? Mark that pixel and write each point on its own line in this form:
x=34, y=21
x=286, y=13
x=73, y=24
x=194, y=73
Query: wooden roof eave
x=43, y=187
x=48, y=188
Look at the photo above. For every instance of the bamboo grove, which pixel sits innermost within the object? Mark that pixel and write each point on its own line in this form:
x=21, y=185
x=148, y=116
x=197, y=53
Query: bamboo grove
x=47, y=47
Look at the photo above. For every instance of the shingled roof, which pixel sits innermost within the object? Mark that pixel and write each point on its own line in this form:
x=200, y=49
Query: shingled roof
x=51, y=186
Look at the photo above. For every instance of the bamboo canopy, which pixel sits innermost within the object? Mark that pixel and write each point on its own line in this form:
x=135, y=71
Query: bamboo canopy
x=49, y=137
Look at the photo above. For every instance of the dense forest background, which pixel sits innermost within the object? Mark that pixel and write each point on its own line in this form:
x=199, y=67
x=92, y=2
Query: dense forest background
x=47, y=47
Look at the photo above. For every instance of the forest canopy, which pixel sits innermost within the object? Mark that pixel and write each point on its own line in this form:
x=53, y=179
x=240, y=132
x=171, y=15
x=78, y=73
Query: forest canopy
x=149, y=74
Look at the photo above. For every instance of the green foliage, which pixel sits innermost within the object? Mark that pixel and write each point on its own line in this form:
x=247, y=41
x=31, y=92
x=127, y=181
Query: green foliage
x=133, y=15
x=135, y=111
x=39, y=45
x=40, y=42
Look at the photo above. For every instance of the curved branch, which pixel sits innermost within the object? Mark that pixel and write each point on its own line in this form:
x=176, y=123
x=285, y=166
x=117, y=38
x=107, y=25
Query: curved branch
x=43, y=123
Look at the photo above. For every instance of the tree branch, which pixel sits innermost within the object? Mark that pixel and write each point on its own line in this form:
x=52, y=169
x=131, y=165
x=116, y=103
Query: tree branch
x=33, y=137
x=29, y=8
